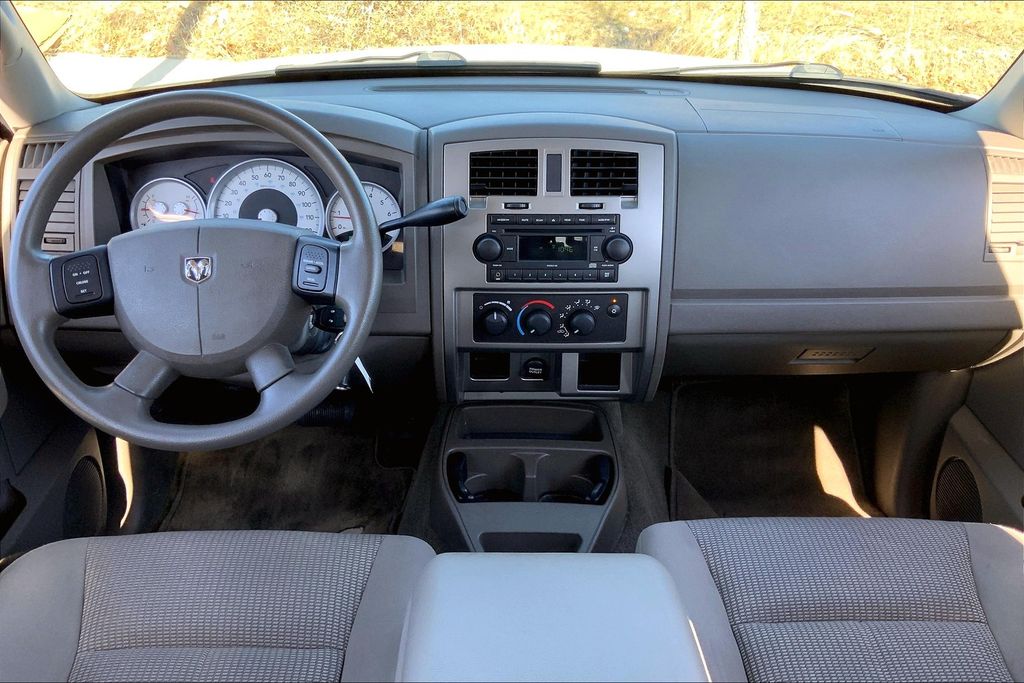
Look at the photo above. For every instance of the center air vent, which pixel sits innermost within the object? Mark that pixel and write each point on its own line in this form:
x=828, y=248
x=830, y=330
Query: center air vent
x=505, y=172
x=603, y=173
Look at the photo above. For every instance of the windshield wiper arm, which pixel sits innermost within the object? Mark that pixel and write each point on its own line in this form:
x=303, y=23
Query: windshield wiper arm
x=790, y=69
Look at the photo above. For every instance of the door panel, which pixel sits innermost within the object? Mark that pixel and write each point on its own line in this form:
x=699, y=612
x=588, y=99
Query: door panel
x=980, y=473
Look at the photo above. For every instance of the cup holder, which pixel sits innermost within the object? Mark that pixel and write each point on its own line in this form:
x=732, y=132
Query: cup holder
x=486, y=477
x=551, y=476
x=574, y=478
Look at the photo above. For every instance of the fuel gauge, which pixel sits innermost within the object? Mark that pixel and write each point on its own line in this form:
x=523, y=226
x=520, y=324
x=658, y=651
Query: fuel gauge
x=166, y=200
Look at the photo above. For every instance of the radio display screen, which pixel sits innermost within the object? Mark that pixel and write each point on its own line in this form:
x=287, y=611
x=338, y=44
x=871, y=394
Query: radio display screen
x=552, y=248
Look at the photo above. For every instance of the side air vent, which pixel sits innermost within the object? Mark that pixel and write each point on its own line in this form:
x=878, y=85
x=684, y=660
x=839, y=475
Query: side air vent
x=36, y=154
x=61, y=233
x=1006, y=208
x=604, y=173
x=505, y=172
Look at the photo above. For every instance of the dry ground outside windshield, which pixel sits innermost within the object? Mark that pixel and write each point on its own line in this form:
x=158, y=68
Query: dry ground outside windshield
x=959, y=47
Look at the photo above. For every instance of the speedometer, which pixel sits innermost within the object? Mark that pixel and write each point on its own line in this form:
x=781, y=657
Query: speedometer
x=385, y=208
x=268, y=190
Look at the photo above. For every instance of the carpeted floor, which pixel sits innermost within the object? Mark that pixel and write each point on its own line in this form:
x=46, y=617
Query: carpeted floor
x=306, y=478
x=765, y=447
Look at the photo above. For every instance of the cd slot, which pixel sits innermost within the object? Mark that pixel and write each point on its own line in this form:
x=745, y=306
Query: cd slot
x=549, y=230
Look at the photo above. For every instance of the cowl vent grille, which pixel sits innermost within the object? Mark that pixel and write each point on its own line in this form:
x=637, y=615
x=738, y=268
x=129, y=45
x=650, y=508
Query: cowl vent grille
x=35, y=155
x=505, y=172
x=604, y=173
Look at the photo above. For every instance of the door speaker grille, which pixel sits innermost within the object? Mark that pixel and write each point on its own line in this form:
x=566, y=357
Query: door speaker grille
x=956, y=493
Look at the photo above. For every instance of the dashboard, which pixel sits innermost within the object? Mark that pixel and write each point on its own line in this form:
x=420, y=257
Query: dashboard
x=619, y=232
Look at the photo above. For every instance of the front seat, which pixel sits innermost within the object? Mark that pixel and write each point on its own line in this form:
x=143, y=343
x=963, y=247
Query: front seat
x=849, y=599
x=209, y=605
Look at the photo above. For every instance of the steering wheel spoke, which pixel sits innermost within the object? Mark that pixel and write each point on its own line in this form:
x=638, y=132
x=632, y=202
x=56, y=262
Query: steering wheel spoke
x=268, y=365
x=146, y=376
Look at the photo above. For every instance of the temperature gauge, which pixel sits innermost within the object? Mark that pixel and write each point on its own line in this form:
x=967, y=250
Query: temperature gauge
x=385, y=208
x=166, y=200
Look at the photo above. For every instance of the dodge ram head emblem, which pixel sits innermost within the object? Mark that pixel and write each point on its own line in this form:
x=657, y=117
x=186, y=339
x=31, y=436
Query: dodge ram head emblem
x=198, y=268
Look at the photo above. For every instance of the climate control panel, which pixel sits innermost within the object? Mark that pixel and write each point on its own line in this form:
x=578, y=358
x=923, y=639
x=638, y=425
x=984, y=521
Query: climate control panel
x=524, y=318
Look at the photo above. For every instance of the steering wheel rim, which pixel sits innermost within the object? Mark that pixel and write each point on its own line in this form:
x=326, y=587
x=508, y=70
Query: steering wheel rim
x=122, y=408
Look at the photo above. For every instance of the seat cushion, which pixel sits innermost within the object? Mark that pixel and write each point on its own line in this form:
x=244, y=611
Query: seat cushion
x=210, y=605
x=840, y=599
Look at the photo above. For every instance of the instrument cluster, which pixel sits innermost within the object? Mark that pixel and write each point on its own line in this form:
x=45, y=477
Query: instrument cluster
x=260, y=188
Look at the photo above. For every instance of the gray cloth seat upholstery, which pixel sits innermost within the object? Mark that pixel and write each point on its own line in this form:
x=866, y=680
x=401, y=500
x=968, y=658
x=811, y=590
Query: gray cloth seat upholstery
x=849, y=599
x=209, y=605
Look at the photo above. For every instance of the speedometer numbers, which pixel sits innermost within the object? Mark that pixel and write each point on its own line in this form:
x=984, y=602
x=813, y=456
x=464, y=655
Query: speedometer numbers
x=268, y=190
x=385, y=208
x=166, y=200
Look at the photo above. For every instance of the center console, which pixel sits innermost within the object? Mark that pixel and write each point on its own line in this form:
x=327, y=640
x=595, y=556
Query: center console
x=551, y=284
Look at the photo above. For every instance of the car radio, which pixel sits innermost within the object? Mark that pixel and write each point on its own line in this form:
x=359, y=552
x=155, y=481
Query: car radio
x=552, y=248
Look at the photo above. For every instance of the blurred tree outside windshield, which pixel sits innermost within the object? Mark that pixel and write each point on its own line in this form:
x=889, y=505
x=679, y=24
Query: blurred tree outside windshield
x=960, y=47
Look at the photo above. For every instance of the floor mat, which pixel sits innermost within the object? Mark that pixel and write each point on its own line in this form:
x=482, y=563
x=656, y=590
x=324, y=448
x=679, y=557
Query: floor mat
x=306, y=478
x=765, y=447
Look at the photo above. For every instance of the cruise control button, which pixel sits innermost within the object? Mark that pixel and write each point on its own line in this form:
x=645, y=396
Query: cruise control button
x=81, y=279
x=312, y=268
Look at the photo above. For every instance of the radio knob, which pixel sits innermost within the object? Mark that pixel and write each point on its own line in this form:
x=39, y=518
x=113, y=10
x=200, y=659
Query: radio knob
x=487, y=248
x=582, y=323
x=617, y=248
x=537, y=323
x=495, y=322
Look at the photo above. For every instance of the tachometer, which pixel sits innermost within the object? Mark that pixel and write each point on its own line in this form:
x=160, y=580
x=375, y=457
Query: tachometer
x=268, y=190
x=166, y=200
x=385, y=208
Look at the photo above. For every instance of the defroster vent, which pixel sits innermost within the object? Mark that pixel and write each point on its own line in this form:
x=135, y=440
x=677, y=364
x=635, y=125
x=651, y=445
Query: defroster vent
x=604, y=173
x=504, y=172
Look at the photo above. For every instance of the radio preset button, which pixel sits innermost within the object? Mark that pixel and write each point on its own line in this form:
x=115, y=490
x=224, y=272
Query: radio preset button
x=590, y=276
x=529, y=276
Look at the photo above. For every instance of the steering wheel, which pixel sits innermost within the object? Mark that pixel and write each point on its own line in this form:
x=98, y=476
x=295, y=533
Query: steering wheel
x=206, y=298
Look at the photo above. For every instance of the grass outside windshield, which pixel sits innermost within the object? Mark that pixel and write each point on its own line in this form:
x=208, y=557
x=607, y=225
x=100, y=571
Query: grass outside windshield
x=957, y=47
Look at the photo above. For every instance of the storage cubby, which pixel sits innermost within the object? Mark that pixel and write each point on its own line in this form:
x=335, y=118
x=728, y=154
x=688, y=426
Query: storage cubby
x=533, y=422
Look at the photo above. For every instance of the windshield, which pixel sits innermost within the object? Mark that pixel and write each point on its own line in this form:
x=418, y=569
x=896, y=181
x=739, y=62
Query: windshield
x=105, y=47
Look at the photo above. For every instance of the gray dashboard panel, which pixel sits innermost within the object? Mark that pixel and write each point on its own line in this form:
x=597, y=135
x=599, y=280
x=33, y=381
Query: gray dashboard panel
x=802, y=233
x=798, y=213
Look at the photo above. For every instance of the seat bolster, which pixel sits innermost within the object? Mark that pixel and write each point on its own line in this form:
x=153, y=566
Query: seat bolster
x=997, y=558
x=41, y=598
x=674, y=545
x=372, y=652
